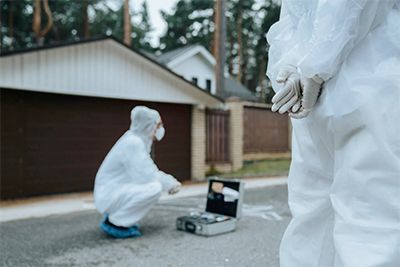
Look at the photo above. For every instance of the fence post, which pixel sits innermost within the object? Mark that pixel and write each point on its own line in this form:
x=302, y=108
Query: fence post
x=236, y=133
x=198, y=151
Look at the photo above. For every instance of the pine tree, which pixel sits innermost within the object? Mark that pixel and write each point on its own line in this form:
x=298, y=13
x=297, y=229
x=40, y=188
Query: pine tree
x=40, y=32
x=269, y=15
x=141, y=31
x=127, y=24
x=190, y=22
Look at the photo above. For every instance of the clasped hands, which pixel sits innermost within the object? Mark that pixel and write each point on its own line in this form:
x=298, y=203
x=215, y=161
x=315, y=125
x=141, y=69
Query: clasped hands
x=298, y=94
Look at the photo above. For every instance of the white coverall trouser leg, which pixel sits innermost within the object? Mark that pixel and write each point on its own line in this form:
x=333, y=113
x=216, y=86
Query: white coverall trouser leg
x=134, y=203
x=344, y=181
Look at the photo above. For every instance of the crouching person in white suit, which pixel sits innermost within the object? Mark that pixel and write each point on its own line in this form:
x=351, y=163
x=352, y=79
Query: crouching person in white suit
x=128, y=182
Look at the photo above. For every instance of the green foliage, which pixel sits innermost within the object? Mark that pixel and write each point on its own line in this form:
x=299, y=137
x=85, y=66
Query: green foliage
x=265, y=168
x=141, y=30
x=19, y=33
x=190, y=22
x=212, y=171
x=68, y=22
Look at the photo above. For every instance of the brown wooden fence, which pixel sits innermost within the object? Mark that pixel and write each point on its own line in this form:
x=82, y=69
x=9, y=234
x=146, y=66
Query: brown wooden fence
x=217, y=132
x=265, y=131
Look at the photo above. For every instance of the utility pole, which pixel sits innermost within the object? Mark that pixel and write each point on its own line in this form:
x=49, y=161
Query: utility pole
x=219, y=45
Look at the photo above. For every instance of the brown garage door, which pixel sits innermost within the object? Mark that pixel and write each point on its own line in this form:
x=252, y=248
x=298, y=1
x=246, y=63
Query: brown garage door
x=54, y=143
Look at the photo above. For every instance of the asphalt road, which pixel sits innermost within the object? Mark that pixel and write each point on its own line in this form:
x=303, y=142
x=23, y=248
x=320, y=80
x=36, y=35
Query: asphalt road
x=75, y=239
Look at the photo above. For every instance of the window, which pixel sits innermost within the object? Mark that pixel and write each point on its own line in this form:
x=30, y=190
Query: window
x=208, y=85
x=194, y=80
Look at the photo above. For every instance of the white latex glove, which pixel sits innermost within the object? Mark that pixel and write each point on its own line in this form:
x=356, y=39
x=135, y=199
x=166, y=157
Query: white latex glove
x=311, y=87
x=288, y=97
x=175, y=189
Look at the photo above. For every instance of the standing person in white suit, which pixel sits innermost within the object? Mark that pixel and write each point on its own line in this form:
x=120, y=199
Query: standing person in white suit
x=128, y=182
x=335, y=66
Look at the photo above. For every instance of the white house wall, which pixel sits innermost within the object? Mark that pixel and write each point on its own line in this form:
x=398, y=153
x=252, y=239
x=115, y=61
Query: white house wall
x=196, y=66
x=101, y=68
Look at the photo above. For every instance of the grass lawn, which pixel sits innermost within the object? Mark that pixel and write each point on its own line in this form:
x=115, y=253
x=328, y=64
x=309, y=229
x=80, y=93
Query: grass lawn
x=270, y=167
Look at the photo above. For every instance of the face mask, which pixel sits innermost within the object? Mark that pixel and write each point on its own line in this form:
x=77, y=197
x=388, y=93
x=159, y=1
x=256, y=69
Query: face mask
x=159, y=133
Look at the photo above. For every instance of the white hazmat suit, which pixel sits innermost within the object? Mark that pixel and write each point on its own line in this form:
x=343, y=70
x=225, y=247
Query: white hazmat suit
x=128, y=182
x=344, y=180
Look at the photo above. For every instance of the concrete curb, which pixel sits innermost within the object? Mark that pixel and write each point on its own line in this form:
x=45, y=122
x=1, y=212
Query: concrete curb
x=64, y=204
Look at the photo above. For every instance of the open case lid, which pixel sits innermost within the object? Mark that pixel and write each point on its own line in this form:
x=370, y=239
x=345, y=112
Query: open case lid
x=225, y=197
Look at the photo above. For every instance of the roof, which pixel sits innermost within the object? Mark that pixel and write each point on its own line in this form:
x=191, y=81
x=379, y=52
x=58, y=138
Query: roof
x=170, y=55
x=148, y=54
x=147, y=58
x=233, y=88
x=176, y=56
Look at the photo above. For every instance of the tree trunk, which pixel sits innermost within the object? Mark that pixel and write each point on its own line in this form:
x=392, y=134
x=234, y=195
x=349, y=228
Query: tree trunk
x=37, y=21
x=127, y=24
x=231, y=46
x=86, y=32
x=212, y=42
x=11, y=23
x=243, y=70
x=261, y=77
x=37, y=18
x=240, y=42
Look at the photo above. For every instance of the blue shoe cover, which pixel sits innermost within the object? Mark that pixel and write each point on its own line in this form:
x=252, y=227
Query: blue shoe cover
x=119, y=232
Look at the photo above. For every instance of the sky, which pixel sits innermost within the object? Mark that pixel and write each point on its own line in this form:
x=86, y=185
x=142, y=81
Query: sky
x=154, y=8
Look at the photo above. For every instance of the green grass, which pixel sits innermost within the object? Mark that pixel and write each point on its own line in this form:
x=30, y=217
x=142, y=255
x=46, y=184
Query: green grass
x=271, y=167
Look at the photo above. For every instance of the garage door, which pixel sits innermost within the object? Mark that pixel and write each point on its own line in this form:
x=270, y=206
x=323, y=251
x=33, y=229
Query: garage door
x=55, y=143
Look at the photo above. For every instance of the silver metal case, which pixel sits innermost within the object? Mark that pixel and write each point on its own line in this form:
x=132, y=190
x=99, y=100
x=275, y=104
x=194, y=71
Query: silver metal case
x=223, y=209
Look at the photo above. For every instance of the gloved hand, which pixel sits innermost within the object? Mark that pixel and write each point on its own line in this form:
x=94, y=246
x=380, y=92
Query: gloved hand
x=288, y=98
x=311, y=87
x=175, y=189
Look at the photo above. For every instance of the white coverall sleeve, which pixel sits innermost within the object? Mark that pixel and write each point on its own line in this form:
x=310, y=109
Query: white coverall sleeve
x=317, y=36
x=140, y=164
x=337, y=28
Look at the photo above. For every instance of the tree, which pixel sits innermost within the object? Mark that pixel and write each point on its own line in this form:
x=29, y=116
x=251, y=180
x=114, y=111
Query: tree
x=190, y=22
x=142, y=30
x=270, y=14
x=16, y=24
x=72, y=20
x=37, y=20
x=219, y=45
x=241, y=28
x=127, y=24
x=86, y=31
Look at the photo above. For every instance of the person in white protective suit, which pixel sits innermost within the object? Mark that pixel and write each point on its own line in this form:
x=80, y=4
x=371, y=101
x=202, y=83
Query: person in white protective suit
x=335, y=67
x=128, y=183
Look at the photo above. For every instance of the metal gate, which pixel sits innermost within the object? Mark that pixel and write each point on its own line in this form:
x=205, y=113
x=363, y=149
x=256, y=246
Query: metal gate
x=217, y=130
